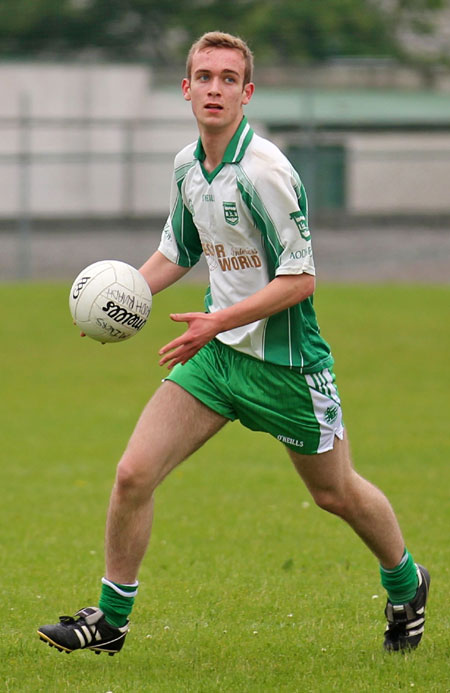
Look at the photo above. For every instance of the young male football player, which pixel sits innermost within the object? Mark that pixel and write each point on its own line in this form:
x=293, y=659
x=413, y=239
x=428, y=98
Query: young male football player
x=255, y=355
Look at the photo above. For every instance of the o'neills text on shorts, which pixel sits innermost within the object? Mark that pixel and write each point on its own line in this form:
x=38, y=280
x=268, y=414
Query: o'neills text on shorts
x=290, y=441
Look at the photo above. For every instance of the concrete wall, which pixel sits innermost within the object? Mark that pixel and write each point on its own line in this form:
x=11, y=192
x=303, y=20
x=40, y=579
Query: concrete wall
x=121, y=165
x=70, y=169
x=74, y=90
x=398, y=173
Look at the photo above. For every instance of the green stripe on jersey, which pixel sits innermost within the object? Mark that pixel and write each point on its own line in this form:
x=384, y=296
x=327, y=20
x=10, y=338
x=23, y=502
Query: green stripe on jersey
x=261, y=217
x=185, y=231
x=186, y=234
x=297, y=325
x=181, y=172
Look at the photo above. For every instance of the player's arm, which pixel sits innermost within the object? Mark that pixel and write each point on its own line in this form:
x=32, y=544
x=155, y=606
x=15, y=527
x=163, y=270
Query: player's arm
x=281, y=293
x=160, y=272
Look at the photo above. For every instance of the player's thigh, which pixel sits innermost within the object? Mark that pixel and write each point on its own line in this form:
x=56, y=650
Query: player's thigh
x=172, y=426
x=327, y=472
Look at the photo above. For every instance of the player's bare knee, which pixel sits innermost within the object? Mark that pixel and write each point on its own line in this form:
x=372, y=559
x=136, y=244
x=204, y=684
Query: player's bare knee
x=331, y=501
x=133, y=480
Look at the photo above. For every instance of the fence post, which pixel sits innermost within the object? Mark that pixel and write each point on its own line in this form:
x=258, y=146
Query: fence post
x=311, y=154
x=24, y=192
x=127, y=169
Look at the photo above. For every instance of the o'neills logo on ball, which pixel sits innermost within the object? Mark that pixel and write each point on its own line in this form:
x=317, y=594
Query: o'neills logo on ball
x=79, y=286
x=123, y=316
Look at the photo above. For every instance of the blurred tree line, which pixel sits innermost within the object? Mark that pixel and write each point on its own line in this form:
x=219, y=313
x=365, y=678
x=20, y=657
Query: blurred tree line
x=159, y=31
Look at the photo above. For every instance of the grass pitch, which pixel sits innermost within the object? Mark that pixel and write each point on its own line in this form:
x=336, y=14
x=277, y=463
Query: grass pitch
x=247, y=586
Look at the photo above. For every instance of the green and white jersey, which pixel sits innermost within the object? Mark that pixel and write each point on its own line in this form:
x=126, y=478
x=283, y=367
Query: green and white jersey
x=249, y=218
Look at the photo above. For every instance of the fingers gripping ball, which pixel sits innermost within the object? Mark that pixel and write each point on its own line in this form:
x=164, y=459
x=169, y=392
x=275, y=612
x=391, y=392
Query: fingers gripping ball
x=110, y=301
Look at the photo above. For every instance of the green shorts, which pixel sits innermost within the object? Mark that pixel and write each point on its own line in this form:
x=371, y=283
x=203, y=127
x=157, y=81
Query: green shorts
x=303, y=411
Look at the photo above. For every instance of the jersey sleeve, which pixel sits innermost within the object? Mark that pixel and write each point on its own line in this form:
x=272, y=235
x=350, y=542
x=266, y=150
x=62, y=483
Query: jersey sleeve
x=180, y=241
x=279, y=207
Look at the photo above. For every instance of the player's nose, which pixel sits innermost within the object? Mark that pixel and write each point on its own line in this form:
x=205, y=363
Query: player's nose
x=214, y=87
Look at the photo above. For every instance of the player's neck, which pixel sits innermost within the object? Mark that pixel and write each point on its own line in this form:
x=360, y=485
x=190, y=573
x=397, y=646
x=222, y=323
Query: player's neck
x=214, y=145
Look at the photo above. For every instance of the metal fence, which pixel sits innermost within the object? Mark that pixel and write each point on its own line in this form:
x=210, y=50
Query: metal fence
x=121, y=167
x=65, y=169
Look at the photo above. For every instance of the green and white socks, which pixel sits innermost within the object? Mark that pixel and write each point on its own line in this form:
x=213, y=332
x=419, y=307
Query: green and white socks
x=116, y=601
x=401, y=582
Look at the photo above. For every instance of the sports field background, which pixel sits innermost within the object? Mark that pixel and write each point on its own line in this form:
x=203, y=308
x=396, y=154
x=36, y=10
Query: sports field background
x=372, y=252
x=247, y=586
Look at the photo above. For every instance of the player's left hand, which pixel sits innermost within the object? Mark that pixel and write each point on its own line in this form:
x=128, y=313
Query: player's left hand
x=202, y=327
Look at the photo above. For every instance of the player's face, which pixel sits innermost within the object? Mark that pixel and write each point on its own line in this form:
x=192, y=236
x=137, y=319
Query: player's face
x=217, y=90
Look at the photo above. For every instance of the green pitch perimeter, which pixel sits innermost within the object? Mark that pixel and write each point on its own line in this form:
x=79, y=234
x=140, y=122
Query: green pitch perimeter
x=247, y=587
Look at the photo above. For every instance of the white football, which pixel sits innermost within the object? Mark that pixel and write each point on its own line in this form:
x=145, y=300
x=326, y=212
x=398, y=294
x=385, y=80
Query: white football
x=110, y=301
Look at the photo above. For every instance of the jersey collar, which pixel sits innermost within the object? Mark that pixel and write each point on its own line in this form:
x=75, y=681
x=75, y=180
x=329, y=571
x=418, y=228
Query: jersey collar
x=236, y=148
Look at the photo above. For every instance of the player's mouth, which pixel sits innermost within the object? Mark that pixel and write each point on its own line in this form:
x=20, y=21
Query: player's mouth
x=213, y=107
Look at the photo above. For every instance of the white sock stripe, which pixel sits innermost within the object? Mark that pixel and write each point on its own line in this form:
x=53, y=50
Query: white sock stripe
x=400, y=565
x=120, y=591
x=404, y=560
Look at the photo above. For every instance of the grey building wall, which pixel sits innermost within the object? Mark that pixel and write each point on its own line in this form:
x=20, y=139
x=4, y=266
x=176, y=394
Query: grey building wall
x=99, y=141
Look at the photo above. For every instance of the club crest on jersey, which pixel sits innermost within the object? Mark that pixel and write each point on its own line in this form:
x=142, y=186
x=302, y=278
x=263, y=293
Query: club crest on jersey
x=302, y=226
x=230, y=213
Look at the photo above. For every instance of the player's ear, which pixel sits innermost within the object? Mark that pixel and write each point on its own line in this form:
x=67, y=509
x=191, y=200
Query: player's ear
x=186, y=88
x=249, y=88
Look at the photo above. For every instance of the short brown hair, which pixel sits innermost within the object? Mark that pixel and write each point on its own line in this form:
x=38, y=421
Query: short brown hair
x=219, y=39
